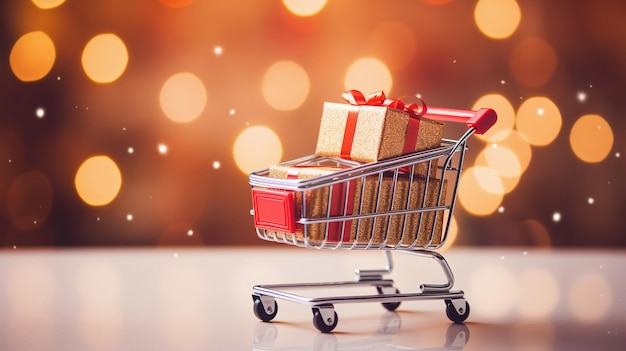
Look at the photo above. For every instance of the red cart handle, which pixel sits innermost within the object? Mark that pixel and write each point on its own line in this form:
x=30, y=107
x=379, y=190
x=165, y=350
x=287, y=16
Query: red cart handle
x=481, y=120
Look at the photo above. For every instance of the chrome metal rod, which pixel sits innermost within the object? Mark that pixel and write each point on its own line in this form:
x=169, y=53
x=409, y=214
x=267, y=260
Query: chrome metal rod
x=375, y=274
x=444, y=266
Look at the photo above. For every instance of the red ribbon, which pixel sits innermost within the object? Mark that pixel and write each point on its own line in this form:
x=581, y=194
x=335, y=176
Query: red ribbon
x=356, y=99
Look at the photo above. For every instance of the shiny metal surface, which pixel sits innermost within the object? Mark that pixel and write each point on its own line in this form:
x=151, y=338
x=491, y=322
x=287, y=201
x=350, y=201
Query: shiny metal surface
x=199, y=299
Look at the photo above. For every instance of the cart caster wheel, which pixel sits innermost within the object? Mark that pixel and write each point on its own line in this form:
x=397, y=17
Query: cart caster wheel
x=265, y=308
x=325, y=319
x=457, y=310
x=389, y=306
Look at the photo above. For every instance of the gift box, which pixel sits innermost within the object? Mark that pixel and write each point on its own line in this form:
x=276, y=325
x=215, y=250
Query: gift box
x=375, y=129
x=335, y=200
x=417, y=226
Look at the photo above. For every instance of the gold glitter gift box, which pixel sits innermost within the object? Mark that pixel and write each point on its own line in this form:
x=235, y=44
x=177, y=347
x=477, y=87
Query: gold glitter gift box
x=317, y=204
x=419, y=193
x=358, y=199
x=372, y=133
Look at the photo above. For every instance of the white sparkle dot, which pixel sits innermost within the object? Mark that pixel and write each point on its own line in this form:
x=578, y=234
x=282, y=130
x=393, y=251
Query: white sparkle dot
x=218, y=50
x=98, y=219
x=162, y=149
x=503, y=81
x=501, y=209
x=131, y=150
x=454, y=61
x=418, y=95
x=175, y=254
x=231, y=112
x=502, y=257
x=216, y=165
x=129, y=217
x=124, y=129
x=35, y=222
x=525, y=253
x=581, y=96
x=14, y=247
x=190, y=232
x=540, y=111
x=556, y=217
x=58, y=77
x=247, y=123
x=617, y=154
x=590, y=200
x=40, y=112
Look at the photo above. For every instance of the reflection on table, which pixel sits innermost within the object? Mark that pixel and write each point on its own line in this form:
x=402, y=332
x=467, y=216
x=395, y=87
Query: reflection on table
x=199, y=299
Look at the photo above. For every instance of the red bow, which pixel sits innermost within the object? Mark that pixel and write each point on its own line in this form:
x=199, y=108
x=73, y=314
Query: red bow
x=355, y=97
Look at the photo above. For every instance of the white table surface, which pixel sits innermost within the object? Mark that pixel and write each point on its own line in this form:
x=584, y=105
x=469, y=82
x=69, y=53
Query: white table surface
x=200, y=299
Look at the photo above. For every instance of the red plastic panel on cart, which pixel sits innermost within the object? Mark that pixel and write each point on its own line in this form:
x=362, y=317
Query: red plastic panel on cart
x=274, y=210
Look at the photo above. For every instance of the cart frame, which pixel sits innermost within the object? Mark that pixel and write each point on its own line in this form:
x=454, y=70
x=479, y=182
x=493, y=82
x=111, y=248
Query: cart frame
x=451, y=152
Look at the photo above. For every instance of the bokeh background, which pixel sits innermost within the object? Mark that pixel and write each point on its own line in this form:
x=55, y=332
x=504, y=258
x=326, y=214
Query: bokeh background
x=126, y=123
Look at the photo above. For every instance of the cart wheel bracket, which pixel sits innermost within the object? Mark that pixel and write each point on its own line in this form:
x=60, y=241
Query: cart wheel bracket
x=268, y=303
x=327, y=313
x=460, y=305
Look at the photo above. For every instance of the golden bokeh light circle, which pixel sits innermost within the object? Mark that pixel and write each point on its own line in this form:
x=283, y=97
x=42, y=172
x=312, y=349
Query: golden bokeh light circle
x=591, y=138
x=539, y=121
x=32, y=56
x=506, y=116
x=104, y=58
x=47, y=4
x=508, y=183
x=98, y=180
x=504, y=162
x=285, y=85
x=183, y=97
x=514, y=141
x=497, y=19
x=480, y=190
x=368, y=75
x=304, y=8
x=255, y=148
x=532, y=62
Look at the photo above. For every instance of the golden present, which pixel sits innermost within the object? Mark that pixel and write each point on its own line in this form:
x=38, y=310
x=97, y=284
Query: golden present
x=417, y=226
x=374, y=132
x=317, y=202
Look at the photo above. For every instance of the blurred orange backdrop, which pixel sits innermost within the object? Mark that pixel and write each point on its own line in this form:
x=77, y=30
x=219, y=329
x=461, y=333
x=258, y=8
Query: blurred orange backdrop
x=136, y=123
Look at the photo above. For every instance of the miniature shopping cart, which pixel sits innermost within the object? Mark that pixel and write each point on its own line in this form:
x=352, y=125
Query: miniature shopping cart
x=400, y=204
